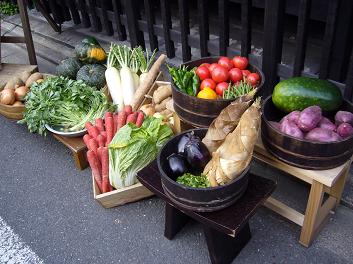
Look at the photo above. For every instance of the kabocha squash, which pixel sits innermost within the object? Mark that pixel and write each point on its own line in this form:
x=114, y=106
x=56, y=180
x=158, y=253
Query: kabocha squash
x=92, y=74
x=89, y=51
x=68, y=68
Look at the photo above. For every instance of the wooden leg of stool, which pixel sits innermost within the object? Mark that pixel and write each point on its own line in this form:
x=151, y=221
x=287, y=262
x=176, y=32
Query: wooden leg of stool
x=337, y=189
x=223, y=248
x=311, y=213
x=175, y=220
x=80, y=159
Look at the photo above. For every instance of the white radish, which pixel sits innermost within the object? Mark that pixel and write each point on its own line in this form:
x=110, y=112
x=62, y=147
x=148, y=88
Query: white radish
x=143, y=76
x=136, y=80
x=127, y=81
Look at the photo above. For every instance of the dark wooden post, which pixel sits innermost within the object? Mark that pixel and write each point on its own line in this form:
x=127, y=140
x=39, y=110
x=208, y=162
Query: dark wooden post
x=132, y=14
x=273, y=38
x=81, y=4
x=150, y=25
x=107, y=25
x=203, y=26
x=74, y=11
x=167, y=25
x=348, y=91
x=96, y=24
x=223, y=22
x=246, y=27
x=119, y=26
x=185, y=29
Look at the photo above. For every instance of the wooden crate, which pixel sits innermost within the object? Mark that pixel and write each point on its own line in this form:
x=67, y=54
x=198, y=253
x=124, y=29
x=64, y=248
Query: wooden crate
x=121, y=196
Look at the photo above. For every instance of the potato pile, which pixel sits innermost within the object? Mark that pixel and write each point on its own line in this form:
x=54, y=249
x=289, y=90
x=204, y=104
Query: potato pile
x=161, y=97
x=17, y=87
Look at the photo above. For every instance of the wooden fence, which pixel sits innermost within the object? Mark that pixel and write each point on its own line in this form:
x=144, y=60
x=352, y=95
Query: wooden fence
x=132, y=18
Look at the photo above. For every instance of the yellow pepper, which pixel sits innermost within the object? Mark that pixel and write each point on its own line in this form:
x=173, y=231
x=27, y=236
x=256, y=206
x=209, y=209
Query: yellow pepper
x=207, y=93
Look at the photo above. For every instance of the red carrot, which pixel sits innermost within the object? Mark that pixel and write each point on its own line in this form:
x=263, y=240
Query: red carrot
x=140, y=118
x=86, y=138
x=99, y=154
x=104, y=134
x=96, y=168
x=92, y=130
x=101, y=140
x=100, y=124
x=128, y=109
x=109, y=125
x=121, y=120
x=107, y=114
x=115, y=118
x=105, y=170
x=92, y=145
x=132, y=118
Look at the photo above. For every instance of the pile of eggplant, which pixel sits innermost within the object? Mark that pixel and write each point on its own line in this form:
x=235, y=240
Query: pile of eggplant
x=191, y=157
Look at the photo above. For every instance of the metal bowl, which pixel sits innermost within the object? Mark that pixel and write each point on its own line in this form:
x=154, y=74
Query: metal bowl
x=56, y=130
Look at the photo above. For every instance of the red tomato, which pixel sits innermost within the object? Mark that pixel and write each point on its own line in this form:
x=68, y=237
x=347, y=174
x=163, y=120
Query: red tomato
x=235, y=75
x=205, y=64
x=246, y=72
x=253, y=78
x=220, y=74
x=203, y=72
x=226, y=63
x=240, y=62
x=221, y=87
x=208, y=83
x=212, y=66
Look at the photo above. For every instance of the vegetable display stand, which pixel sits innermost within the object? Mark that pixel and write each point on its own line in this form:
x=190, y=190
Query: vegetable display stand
x=226, y=231
x=317, y=211
x=78, y=149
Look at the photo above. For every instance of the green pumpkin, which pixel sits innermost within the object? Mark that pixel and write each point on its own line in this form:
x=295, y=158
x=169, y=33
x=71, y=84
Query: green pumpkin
x=92, y=74
x=89, y=51
x=68, y=68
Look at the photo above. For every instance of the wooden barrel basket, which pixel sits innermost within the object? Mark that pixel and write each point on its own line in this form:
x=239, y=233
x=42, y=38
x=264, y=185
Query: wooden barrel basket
x=200, y=112
x=299, y=152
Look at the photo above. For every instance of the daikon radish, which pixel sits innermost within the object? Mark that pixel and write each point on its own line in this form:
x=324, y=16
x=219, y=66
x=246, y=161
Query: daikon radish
x=145, y=62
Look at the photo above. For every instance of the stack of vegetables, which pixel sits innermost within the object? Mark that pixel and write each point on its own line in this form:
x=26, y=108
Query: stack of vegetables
x=63, y=104
x=17, y=87
x=121, y=145
x=86, y=65
x=227, y=79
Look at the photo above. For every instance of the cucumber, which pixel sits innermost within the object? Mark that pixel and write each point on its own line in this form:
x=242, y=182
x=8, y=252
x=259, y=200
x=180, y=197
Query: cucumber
x=300, y=92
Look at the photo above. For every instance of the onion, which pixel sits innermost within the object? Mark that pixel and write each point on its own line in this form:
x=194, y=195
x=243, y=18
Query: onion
x=17, y=103
x=21, y=92
x=148, y=109
x=7, y=97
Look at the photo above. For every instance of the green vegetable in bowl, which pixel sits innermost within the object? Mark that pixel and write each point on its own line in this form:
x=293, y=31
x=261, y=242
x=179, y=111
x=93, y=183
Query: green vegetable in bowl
x=191, y=180
x=186, y=80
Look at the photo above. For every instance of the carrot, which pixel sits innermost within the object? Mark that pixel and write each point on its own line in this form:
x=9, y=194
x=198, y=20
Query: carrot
x=104, y=133
x=132, y=118
x=101, y=140
x=128, y=109
x=147, y=82
x=92, y=130
x=107, y=114
x=115, y=118
x=140, y=117
x=109, y=125
x=96, y=168
x=100, y=124
x=86, y=138
x=99, y=154
x=121, y=120
x=105, y=170
x=92, y=145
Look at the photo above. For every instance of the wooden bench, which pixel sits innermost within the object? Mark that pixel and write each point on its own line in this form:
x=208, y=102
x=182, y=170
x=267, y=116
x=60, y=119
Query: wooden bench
x=226, y=231
x=317, y=210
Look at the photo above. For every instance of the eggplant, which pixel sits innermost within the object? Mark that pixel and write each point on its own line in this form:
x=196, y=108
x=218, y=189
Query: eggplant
x=185, y=139
x=197, y=155
x=177, y=165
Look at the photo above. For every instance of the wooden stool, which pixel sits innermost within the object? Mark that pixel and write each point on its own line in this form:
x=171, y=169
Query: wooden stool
x=78, y=149
x=226, y=231
x=322, y=181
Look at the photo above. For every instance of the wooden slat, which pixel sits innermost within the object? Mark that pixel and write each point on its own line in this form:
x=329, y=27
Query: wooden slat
x=202, y=6
x=132, y=14
x=12, y=39
x=272, y=48
x=107, y=25
x=64, y=10
x=96, y=24
x=223, y=26
x=185, y=29
x=119, y=26
x=325, y=211
x=56, y=11
x=303, y=19
x=348, y=90
x=150, y=23
x=74, y=11
x=167, y=25
x=328, y=39
x=246, y=19
x=84, y=15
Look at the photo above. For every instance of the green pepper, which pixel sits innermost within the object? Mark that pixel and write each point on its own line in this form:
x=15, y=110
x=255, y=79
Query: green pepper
x=195, y=83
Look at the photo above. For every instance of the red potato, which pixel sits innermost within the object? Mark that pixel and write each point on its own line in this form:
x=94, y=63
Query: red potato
x=220, y=74
x=121, y=120
x=140, y=118
x=343, y=117
x=345, y=130
x=96, y=168
x=275, y=125
x=326, y=123
x=322, y=135
x=101, y=140
x=86, y=138
x=128, y=109
x=203, y=72
x=292, y=117
x=226, y=63
x=309, y=118
x=132, y=118
x=99, y=124
x=235, y=75
x=291, y=129
x=92, y=130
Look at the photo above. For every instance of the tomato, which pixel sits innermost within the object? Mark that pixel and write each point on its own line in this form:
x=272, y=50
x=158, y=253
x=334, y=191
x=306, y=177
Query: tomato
x=208, y=83
x=245, y=72
x=235, y=75
x=226, y=63
x=221, y=87
x=220, y=74
x=253, y=78
x=203, y=73
x=240, y=62
x=212, y=66
x=205, y=64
